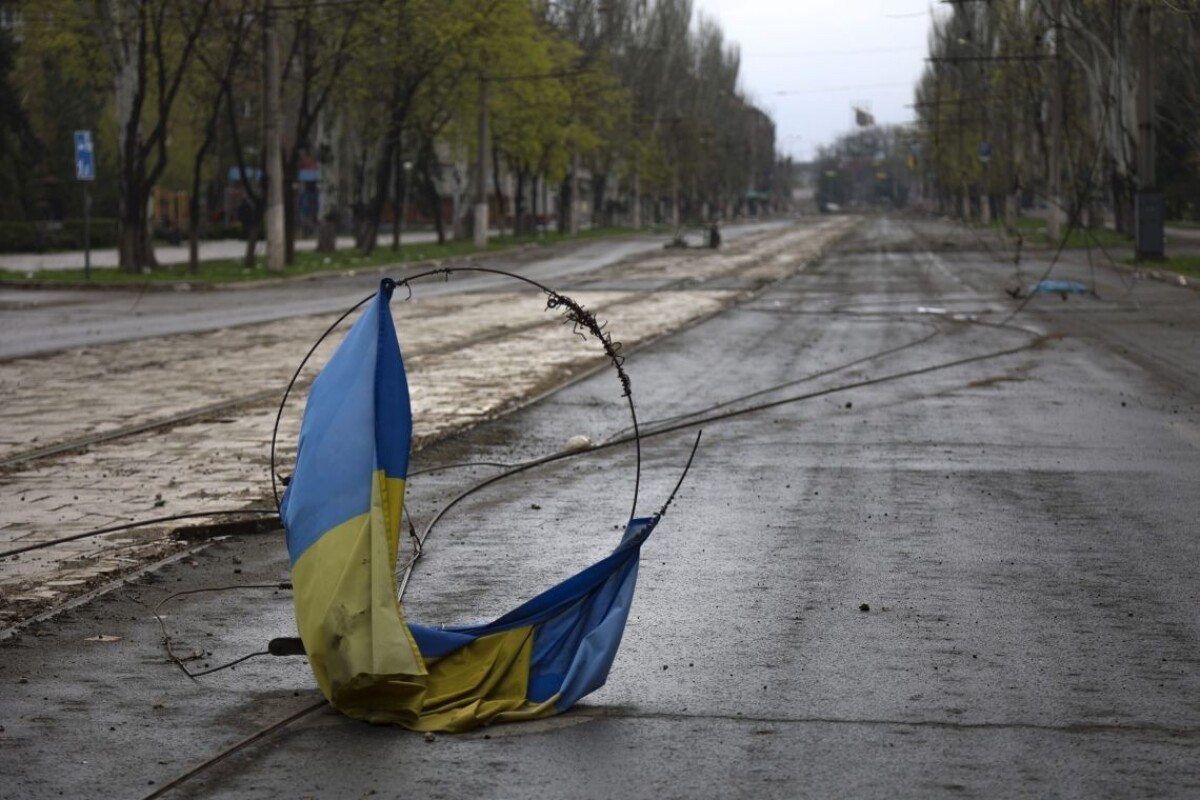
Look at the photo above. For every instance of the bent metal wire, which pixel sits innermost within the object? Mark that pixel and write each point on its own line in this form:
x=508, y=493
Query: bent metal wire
x=582, y=321
x=341, y=514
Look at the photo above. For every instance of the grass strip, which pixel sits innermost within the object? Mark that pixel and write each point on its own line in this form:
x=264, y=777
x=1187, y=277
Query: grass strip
x=221, y=271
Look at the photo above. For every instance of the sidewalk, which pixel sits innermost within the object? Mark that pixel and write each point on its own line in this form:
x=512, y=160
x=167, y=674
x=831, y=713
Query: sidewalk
x=178, y=254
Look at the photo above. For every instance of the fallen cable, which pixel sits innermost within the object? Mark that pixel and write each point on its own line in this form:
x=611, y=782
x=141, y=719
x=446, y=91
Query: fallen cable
x=125, y=526
x=573, y=453
x=580, y=318
x=166, y=640
x=651, y=425
x=227, y=752
x=419, y=542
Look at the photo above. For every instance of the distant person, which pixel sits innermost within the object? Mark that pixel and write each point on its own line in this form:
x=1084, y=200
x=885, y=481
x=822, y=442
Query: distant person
x=714, y=235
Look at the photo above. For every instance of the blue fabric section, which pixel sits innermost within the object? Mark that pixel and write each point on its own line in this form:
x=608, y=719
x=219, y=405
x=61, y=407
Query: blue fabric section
x=555, y=599
x=393, y=411
x=335, y=458
x=573, y=651
x=595, y=650
x=438, y=642
x=1059, y=287
x=578, y=624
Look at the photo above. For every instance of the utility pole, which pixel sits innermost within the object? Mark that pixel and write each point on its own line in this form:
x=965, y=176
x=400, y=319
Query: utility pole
x=1053, y=229
x=272, y=131
x=1149, y=209
x=481, y=204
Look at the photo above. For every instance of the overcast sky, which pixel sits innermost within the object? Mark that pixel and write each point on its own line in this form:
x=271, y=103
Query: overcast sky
x=806, y=62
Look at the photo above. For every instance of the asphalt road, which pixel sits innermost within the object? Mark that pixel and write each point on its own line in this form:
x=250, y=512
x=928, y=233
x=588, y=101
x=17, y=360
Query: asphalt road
x=953, y=558
x=46, y=320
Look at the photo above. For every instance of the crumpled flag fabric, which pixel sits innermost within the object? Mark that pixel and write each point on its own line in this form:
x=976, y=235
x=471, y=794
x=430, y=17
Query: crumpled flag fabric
x=341, y=513
x=1058, y=287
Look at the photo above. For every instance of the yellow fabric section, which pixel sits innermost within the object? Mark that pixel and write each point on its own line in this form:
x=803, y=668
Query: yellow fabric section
x=363, y=654
x=358, y=643
x=391, y=500
x=482, y=683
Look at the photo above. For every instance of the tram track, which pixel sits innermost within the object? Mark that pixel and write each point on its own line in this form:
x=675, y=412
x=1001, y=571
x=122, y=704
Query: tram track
x=74, y=444
x=29, y=455
x=264, y=397
x=217, y=438
x=779, y=553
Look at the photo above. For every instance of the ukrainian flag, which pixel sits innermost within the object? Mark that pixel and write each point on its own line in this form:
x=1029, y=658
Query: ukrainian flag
x=342, y=514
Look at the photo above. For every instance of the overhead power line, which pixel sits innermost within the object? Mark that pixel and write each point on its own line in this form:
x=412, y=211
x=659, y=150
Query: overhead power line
x=866, y=51
x=816, y=90
x=958, y=59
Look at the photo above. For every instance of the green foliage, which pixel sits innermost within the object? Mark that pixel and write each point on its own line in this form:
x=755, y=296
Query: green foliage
x=636, y=89
x=999, y=71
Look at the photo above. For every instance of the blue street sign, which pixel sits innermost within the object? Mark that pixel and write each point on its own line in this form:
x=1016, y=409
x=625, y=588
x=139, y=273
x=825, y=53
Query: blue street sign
x=85, y=157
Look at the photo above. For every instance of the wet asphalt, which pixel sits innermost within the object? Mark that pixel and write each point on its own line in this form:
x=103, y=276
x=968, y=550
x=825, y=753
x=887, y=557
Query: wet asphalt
x=953, y=558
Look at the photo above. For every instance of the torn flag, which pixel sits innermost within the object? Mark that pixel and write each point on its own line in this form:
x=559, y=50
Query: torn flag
x=342, y=512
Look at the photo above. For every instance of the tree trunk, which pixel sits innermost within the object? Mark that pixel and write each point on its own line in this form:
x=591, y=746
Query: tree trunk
x=291, y=166
x=1122, y=202
x=132, y=215
x=519, y=224
x=599, y=190
x=675, y=221
x=273, y=168
x=327, y=233
x=252, y=233
x=397, y=211
x=573, y=216
x=537, y=224
x=210, y=134
x=383, y=178
x=134, y=245
x=496, y=188
x=564, y=197
x=193, y=234
x=637, y=194
x=194, y=208
x=429, y=190
x=332, y=189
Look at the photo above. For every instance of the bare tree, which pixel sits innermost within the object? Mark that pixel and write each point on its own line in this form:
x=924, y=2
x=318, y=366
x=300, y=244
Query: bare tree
x=150, y=45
